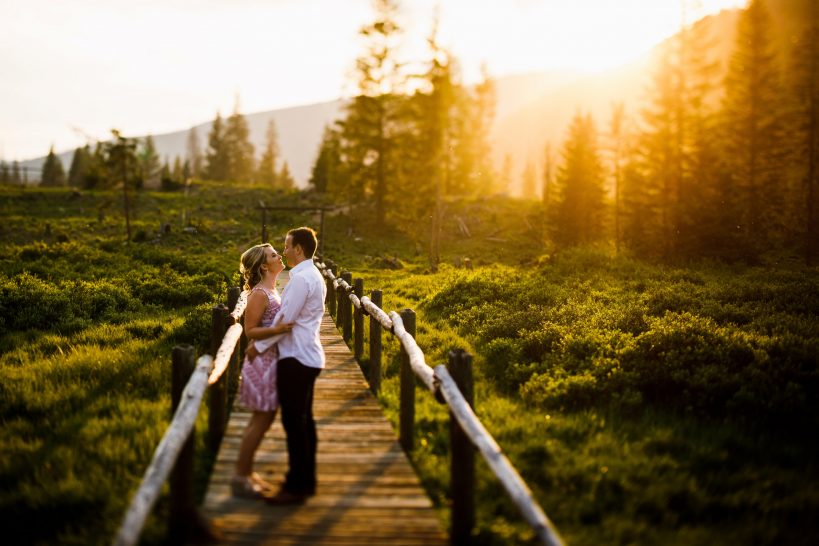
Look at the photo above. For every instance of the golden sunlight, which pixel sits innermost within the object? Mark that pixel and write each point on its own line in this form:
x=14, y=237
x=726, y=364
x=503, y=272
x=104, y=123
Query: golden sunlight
x=581, y=35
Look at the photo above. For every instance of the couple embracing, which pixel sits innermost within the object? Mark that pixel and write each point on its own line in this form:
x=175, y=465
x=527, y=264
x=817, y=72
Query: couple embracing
x=281, y=364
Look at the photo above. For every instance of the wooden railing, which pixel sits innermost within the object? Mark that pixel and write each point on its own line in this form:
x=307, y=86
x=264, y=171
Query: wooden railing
x=451, y=385
x=174, y=456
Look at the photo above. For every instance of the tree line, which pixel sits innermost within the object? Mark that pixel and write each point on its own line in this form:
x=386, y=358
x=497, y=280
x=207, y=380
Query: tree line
x=715, y=165
x=712, y=167
x=229, y=155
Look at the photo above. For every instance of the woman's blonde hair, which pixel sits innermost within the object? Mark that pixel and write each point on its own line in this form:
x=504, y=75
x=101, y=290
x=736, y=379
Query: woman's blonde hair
x=251, y=263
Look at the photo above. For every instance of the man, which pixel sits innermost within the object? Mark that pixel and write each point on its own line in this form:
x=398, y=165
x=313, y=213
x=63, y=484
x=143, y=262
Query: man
x=301, y=359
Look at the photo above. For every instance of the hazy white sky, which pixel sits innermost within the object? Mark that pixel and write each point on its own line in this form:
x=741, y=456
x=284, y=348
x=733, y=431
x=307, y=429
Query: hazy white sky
x=71, y=70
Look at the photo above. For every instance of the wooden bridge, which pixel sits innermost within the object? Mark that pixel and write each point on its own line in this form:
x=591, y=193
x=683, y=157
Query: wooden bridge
x=367, y=492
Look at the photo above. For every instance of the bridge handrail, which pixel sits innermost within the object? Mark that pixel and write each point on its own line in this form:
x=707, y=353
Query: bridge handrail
x=498, y=462
x=208, y=371
x=165, y=455
x=440, y=383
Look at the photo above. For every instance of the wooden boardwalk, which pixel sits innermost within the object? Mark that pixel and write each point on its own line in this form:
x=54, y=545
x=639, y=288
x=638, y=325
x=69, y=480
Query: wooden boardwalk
x=368, y=493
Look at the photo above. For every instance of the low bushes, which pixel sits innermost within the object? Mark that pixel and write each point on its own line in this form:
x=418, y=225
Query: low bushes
x=702, y=342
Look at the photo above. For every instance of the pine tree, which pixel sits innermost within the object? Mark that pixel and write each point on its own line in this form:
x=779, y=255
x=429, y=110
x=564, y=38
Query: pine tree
x=504, y=183
x=240, y=153
x=286, y=181
x=166, y=178
x=579, y=217
x=701, y=225
x=806, y=86
x=5, y=174
x=368, y=131
x=97, y=175
x=751, y=111
x=529, y=181
x=80, y=164
x=122, y=163
x=53, y=173
x=194, y=154
x=178, y=172
x=217, y=163
x=478, y=130
x=328, y=168
x=439, y=135
x=662, y=156
x=149, y=165
x=16, y=177
x=616, y=151
x=266, y=173
x=547, y=181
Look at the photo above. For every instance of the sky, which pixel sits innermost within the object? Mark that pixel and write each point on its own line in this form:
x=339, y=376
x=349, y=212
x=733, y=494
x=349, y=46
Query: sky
x=72, y=70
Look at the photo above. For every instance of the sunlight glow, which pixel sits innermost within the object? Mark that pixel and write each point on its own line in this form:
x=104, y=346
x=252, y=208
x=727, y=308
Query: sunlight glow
x=164, y=65
x=577, y=35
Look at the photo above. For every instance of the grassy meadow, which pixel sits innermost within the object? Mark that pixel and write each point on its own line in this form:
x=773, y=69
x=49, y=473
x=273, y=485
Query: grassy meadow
x=643, y=404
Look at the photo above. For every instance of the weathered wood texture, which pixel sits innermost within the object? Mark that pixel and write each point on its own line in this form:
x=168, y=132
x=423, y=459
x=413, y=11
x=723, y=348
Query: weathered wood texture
x=367, y=491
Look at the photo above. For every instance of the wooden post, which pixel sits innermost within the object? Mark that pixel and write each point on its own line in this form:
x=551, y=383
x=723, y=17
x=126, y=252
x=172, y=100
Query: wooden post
x=182, y=500
x=264, y=225
x=407, y=417
x=331, y=291
x=375, y=345
x=339, y=305
x=233, y=293
x=358, y=321
x=462, y=461
x=347, y=324
x=217, y=415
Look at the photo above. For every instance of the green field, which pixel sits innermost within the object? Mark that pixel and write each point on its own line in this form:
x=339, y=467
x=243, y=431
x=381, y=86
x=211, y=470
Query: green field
x=643, y=404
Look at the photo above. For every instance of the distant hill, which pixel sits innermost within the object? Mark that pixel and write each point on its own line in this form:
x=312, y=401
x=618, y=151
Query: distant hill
x=531, y=109
x=523, y=134
x=299, y=129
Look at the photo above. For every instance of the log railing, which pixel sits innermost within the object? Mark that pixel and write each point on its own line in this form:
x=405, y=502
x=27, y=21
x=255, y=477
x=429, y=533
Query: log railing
x=450, y=384
x=174, y=456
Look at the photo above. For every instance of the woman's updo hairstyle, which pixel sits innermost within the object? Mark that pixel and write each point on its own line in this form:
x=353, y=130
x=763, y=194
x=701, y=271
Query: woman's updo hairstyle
x=251, y=264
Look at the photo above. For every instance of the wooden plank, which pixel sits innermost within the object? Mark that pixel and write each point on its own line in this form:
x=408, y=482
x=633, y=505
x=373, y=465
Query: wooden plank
x=367, y=493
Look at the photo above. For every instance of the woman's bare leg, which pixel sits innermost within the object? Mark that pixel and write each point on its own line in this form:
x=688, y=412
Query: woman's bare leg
x=259, y=423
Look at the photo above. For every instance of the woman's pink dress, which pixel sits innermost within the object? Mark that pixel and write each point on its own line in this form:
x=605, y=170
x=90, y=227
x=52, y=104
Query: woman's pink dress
x=258, y=388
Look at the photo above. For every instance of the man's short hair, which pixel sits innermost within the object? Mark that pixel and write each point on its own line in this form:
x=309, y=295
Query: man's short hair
x=306, y=238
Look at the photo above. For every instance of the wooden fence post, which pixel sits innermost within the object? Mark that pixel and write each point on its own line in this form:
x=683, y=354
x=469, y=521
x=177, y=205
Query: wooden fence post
x=407, y=417
x=233, y=294
x=331, y=291
x=375, y=345
x=340, y=295
x=347, y=325
x=182, y=501
x=462, y=461
x=217, y=402
x=358, y=321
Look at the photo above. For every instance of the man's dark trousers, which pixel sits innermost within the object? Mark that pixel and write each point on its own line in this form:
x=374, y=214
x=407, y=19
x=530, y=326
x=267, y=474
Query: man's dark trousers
x=295, y=385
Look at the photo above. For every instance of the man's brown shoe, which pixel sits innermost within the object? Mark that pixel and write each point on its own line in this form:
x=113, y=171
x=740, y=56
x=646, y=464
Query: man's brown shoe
x=285, y=497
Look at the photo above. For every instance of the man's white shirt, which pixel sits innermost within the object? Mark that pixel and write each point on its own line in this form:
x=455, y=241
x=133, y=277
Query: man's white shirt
x=302, y=304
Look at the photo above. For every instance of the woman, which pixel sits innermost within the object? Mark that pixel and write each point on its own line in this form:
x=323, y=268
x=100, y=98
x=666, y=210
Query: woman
x=260, y=266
